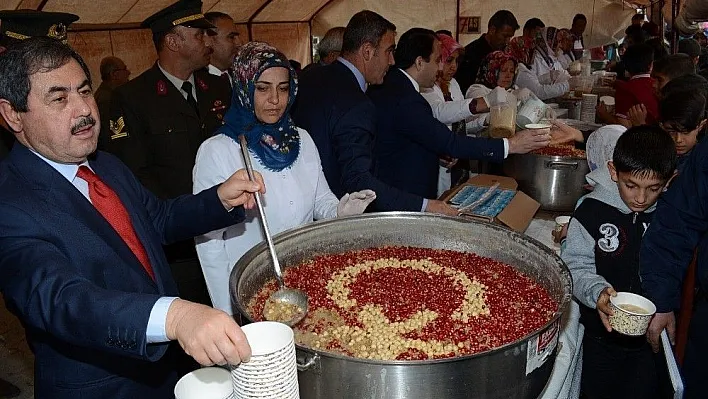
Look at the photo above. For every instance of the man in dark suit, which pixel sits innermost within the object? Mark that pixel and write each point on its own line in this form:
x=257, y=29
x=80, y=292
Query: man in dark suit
x=159, y=119
x=500, y=30
x=18, y=25
x=80, y=258
x=410, y=140
x=333, y=107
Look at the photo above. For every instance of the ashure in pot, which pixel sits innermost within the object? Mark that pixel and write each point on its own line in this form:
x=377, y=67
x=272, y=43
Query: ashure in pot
x=519, y=369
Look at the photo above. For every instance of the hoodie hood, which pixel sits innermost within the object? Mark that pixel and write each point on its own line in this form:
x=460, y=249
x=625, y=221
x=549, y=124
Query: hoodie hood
x=606, y=190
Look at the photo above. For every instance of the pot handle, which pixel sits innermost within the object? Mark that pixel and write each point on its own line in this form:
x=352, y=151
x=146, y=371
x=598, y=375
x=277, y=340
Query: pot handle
x=313, y=362
x=562, y=165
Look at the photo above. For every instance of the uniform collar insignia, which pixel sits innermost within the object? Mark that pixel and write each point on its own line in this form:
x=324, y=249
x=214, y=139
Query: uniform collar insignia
x=161, y=88
x=202, y=85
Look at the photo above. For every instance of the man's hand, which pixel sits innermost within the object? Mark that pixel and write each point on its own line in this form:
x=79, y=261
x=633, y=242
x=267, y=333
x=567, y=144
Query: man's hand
x=638, y=115
x=562, y=133
x=528, y=140
x=603, y=307
x=355, y=203
x=238, y=190
x=435, y=206
x=657, y=325
x=208, y=335
x=447, y=162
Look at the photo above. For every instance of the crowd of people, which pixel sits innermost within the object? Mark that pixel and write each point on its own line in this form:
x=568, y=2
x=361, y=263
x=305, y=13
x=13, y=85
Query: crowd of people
x=105, y=191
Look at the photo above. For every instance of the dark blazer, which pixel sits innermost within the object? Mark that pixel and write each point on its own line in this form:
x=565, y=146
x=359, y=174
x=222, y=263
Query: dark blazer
x=475, y=52
x=410, y=140
x=341, y=120
x=81, y=294
x=7, y=139
x=152, y=128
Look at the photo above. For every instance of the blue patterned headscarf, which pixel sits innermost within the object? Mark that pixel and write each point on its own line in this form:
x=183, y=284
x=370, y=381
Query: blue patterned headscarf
x=276, y=145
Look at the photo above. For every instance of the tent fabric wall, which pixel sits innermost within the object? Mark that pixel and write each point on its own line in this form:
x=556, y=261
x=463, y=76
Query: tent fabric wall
x=286, y=23
x=133, y=46
x=440, y=14
x=405, y=14
x=293, y=39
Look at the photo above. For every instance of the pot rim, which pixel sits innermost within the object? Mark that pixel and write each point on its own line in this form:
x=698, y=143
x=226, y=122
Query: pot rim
x=564, y=271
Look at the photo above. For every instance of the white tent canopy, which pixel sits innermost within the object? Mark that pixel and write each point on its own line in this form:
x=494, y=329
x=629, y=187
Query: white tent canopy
x=112, y=27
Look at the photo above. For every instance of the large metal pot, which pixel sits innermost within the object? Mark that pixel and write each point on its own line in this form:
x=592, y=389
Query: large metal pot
x=555, y=182
x=519, y=369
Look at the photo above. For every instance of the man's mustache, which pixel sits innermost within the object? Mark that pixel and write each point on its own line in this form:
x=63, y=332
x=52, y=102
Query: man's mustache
x=84, y=122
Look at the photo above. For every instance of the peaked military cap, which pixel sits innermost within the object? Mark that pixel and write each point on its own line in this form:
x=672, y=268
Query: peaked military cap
x=23, y=24
x=184, y=12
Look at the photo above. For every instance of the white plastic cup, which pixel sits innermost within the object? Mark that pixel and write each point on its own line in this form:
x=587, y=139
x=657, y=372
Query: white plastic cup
x=272, y=370
x=205, y=383
x=631, y=322
x=609, y=102
x=587, y=109
x=543, y=128
x=266, y=337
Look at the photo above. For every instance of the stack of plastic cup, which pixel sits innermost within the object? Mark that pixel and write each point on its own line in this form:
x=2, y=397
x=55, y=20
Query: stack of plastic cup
x=272, y=370
x=205, y=383
x=588, y=108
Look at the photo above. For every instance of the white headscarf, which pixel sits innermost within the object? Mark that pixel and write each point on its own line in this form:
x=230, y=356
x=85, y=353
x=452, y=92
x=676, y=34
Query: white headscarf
x=601, y=145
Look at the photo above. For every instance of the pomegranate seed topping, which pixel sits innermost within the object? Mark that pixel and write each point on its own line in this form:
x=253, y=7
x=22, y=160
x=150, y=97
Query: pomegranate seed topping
x=405, y=303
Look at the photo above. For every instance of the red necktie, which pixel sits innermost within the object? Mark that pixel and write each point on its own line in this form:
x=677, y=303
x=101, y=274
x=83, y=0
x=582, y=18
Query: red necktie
x=111, y=208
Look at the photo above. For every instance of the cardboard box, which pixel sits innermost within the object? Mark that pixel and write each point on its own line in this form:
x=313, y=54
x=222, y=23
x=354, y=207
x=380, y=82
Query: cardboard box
x=517, y=215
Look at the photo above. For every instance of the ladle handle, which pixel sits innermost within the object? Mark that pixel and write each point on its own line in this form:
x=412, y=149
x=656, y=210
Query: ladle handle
x=261, y=211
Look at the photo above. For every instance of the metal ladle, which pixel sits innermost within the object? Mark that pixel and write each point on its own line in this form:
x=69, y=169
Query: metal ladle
x=284, y=295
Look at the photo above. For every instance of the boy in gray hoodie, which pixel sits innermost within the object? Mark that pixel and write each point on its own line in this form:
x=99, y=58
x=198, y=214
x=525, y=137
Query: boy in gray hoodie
x=602, y=253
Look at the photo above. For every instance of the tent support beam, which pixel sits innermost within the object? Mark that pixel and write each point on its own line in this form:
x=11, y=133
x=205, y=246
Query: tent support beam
x=41, y=5
x=103, y=27
x=322, y=7
x=457, y=22
x=252, y=17
x=312, y=57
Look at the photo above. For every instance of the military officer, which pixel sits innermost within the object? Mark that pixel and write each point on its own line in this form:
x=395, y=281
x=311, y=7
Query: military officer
x=18, y=25
x=158, y=120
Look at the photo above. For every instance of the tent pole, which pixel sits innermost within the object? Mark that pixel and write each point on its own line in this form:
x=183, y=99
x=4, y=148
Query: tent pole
x=41, y=5
x=314, y=14
x=457, y=22
x=309, y=50
x=252, y=17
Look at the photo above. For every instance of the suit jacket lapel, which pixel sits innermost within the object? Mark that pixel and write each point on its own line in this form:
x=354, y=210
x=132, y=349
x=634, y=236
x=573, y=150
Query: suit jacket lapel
x=63, y=197
x=139, y=224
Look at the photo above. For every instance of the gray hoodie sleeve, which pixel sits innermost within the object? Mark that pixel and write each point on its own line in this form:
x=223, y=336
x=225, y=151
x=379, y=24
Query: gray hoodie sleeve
x=579, y=255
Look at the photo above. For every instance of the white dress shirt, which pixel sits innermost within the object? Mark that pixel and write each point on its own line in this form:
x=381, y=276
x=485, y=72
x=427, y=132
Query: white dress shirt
x=295, y=196
x=449, y=112
x=155, y=331
x=529, y=80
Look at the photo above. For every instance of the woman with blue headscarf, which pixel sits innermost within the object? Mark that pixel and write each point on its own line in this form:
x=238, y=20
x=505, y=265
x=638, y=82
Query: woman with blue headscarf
x=297, y=192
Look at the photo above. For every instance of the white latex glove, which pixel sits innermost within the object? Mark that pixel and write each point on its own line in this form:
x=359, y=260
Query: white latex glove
x=545, y=79
x=495, y=97
x=522, y=94
x=560, y=76
x=355, y=203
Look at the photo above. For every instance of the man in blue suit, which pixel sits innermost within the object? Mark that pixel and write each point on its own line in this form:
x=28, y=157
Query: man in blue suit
x=410, y=140
x=81, y=262
x=333, y=107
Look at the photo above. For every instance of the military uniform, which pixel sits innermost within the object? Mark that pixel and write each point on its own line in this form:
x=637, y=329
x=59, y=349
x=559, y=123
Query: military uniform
x=18, y=25
x=153, y=129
